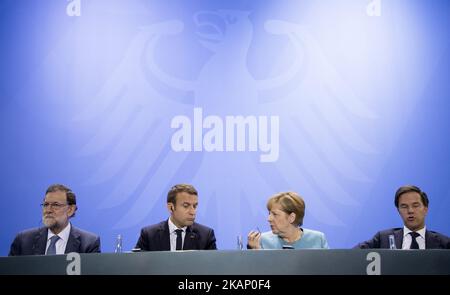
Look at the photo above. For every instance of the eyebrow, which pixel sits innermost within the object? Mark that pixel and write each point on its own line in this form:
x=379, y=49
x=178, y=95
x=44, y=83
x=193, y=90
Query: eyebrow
x=405, y=204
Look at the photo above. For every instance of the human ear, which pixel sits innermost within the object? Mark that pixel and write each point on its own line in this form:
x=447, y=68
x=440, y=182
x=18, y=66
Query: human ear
x=292, y=217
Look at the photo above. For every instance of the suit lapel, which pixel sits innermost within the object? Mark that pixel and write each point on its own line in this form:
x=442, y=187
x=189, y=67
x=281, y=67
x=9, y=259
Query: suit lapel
x=40, y=241
x=73, y=243
x=430, y=241
x=398, y=234
x=190, y=239
x=164, y=236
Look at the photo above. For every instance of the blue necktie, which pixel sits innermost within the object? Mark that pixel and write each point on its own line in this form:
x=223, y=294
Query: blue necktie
x=414, y=244
x=179, y=241
x=51, y=250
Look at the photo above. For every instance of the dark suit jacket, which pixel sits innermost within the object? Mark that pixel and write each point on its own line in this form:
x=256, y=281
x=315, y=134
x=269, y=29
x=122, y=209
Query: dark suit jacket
x=156, y=238
x=433, y=240
x=33, y=242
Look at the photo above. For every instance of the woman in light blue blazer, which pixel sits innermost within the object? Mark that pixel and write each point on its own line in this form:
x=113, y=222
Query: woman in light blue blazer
x=286, y=212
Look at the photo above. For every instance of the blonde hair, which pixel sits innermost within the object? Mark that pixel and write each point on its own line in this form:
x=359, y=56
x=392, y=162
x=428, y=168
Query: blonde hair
x=290, y=202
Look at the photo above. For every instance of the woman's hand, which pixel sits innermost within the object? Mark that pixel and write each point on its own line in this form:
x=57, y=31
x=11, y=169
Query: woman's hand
x=253, y=240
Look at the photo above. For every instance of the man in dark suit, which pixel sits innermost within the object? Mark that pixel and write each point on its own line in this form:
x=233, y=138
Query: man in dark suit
x=412, y=205
x=57, y=236
x=179, y=232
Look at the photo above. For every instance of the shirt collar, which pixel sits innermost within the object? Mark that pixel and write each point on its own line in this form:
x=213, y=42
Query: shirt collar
x=421, y=232
x=63, y=235
x=173, y=227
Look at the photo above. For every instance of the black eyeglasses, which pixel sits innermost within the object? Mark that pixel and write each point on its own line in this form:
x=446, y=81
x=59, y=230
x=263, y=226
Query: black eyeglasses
x=54, y=205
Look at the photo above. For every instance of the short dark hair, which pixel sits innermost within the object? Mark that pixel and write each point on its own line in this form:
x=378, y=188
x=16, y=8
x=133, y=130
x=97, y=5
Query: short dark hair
x=180, y=188
x=71, y=199
x=411, y=188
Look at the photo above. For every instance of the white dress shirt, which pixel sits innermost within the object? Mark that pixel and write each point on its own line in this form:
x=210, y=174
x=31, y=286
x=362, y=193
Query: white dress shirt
x=407, y=238
x=173, y=235
x=61, y=243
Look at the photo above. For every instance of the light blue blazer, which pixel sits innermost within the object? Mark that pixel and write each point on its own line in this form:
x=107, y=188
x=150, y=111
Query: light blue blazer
x=311, y=239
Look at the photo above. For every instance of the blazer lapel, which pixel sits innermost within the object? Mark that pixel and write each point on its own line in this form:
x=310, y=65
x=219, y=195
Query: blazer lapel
x=398, y=235
x=40, y=241
x=430, y=241
x=190, y=239
x=164, y=236
x=73, y=243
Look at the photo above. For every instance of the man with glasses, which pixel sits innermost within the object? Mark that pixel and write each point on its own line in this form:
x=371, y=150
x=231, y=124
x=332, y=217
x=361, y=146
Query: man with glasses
x=58, y=235
x=412, y=205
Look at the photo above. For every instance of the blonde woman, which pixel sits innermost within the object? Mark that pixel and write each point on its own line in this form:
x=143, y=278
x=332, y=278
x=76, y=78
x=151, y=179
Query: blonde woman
x=286, y=212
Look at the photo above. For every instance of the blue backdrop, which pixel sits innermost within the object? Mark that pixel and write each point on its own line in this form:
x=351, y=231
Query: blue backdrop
x=340, y=101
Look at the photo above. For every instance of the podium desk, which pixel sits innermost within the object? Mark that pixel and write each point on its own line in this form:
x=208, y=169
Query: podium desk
x=229, y=262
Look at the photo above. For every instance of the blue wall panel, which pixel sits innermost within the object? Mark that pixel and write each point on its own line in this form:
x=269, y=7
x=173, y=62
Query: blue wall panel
x=341, y=101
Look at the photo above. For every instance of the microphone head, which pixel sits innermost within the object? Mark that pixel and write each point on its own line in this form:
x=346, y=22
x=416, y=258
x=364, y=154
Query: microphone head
x=290, y=247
